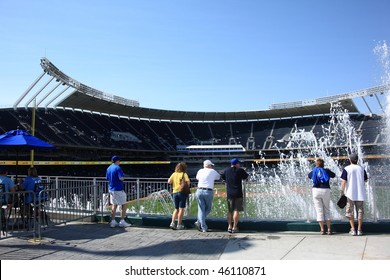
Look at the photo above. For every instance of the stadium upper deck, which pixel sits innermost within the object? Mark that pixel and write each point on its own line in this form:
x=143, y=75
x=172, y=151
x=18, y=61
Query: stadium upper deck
x=83, y=97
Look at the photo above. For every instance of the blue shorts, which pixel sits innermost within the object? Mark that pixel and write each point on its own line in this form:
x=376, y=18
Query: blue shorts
x=180, y=200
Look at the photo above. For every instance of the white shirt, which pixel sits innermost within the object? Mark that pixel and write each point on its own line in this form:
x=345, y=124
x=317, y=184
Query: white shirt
x=206, y=178
x=355, y=187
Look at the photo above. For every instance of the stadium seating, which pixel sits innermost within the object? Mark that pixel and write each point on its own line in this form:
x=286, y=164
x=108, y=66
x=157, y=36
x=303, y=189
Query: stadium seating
x=92, y=136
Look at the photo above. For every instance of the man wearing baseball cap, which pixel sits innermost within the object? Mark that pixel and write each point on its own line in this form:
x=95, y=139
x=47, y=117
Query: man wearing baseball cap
x=233, y=176
x=205, y=193
x=115, y=178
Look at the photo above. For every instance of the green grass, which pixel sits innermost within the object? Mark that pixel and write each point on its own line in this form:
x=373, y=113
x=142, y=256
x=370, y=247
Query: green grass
x=267, y=206
x=153, y=206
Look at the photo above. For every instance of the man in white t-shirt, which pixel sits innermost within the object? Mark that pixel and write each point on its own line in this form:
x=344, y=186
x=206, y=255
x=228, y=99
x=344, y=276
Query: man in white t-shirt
x=205, y=193
x=353, y=178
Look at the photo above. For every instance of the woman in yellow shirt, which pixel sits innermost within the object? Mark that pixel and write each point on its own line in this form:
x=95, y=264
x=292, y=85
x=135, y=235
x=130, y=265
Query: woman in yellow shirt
x=180, y=199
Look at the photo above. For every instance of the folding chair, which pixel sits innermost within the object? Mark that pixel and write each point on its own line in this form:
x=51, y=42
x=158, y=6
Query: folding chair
x=41, y=197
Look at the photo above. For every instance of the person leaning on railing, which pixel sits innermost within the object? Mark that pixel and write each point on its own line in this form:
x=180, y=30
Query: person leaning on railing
x=205, y=193
x=179, y=198
x=321, y=194
x=115, y=178
x=233, y=177
x=353, y=186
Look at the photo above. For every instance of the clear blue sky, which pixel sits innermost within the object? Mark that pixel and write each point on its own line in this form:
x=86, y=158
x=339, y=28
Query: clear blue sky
x=196, y=55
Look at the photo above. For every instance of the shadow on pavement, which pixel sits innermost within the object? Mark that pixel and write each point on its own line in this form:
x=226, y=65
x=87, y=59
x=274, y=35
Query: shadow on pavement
x=98, y=241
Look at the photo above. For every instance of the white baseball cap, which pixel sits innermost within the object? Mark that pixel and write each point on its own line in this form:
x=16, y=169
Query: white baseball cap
x=207, y=163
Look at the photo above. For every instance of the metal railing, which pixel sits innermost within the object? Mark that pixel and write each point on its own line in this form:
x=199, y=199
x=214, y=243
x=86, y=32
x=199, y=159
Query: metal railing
x=73, y=199
x=17, y=215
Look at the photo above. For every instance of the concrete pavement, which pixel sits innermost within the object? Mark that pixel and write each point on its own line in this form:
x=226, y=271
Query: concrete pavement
x=95, y=241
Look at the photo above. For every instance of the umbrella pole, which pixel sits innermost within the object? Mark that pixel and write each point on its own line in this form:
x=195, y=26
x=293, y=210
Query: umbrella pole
x=17, y=157
x=32, y=158
x=33, y=131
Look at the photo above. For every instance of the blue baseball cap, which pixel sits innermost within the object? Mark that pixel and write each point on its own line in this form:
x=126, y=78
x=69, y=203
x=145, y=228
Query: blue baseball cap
x=115, y=158
x=234, y=161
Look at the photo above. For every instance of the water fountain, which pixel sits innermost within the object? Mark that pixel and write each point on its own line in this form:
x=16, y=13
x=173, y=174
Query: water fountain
x=284, y=192
x=382, y=52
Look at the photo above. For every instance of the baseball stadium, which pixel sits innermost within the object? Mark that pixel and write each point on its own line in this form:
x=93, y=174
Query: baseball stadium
x=276, y=146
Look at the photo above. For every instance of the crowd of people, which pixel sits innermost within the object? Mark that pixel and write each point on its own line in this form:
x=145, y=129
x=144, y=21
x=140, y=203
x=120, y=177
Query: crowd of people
x=353, y=187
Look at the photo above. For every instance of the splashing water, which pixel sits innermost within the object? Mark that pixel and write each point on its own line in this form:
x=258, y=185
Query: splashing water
x=382, y=51
x=284, y=192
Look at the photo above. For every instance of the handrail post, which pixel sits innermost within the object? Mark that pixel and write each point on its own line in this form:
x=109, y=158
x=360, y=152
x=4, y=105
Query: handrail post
x=189, y=203
x=37, y=204
x=57, y=192
x=34, y=219
x=95, y=197
x=138, y=198
x=244, y=198
x=101, y=197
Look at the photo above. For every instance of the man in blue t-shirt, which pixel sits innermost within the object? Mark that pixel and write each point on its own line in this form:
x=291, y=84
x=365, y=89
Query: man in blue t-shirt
x=9, y=186
x=115, y=178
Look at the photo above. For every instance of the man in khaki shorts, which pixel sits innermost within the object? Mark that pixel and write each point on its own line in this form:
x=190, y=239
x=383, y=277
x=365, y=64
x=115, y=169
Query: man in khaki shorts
x=233, y=177
x=115, y=178
x=353, y=178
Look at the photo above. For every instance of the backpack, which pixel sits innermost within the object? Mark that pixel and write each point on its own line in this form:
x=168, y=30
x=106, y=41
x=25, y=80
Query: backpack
x=319, y=176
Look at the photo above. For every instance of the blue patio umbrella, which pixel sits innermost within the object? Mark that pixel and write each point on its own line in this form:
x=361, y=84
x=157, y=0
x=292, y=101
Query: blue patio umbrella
x=22, y=140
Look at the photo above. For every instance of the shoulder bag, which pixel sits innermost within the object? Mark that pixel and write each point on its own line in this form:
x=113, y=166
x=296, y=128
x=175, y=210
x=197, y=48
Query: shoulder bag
x=184, y=186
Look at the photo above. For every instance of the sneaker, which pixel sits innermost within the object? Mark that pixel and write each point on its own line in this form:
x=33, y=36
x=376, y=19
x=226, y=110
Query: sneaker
x=114, y=224
x=197, y=225
x=234, y=230
x=359, y=233
x=123, y=223
x=180, y=226
x=352, y=232
x=172, y=226
x=230, y=230
x=205, y=230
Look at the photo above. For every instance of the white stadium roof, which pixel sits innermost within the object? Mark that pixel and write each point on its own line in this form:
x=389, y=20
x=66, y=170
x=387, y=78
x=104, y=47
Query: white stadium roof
x=62, y=91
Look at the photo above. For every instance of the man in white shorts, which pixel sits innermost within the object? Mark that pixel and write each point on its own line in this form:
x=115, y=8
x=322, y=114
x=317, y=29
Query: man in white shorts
x=115, y=178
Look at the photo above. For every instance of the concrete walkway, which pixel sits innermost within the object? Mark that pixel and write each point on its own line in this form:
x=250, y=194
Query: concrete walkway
x=90, y=241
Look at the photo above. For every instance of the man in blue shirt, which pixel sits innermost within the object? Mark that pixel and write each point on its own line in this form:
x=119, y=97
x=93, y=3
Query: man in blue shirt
x=9, y=186
x=115, y=178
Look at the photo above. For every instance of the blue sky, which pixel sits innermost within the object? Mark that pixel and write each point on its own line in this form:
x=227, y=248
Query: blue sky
x=196, y=55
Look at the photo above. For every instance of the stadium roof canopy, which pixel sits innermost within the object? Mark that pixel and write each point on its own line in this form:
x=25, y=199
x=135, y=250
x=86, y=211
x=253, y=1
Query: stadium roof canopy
x=82, y=101
x=83, y=97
